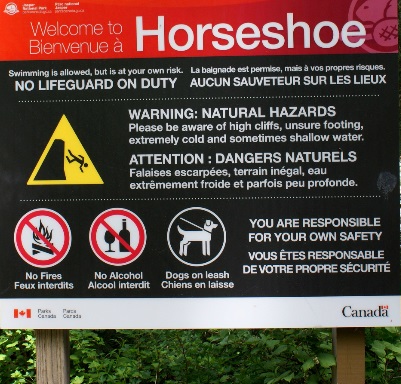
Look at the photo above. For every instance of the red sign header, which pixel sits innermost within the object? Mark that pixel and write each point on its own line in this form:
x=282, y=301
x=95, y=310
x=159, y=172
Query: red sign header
x=89, y=29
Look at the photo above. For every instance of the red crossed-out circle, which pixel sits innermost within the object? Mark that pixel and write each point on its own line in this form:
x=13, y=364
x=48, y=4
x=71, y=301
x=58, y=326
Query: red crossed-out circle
x=100, y=223
x=62, y=231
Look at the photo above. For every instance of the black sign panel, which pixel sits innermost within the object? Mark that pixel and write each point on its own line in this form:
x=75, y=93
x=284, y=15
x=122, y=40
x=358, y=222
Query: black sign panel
x=211, y=177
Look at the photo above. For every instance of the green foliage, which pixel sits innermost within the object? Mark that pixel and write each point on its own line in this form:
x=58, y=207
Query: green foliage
x=17, y=357
x=199, y=356
x=383, y=355
x=202, y=356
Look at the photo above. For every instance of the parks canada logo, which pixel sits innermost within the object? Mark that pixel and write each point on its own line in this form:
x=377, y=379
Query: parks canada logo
x=11, y=9
x=380, y=311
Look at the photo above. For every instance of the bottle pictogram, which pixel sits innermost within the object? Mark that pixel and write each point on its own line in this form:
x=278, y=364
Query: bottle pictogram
x=125, y=235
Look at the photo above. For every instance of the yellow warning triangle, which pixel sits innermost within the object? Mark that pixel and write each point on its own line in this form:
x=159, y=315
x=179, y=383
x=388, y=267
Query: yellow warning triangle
x=64, y=160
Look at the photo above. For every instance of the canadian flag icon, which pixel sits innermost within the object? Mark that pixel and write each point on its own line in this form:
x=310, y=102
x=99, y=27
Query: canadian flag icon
x=22, y=313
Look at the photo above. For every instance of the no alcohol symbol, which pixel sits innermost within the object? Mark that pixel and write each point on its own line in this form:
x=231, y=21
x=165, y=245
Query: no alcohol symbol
x=117, y=236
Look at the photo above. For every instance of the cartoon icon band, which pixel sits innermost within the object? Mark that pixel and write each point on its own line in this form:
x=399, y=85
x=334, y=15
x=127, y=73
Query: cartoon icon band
x=196, y=236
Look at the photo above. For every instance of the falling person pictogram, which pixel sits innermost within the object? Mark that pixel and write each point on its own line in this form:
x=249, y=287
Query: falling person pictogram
x=79, y=159
x=64, y=160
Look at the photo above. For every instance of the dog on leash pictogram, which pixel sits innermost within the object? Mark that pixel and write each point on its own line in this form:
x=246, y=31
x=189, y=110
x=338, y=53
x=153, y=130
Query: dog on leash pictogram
x=196, y=236
x=204, y=235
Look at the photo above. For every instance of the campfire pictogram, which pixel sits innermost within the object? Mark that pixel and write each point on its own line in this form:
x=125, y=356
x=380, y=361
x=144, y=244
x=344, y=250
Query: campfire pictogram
x=40, y=246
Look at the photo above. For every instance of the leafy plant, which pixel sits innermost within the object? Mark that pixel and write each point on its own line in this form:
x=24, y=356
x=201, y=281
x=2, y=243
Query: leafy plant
x=265, y=356
x=17, y=357
x=199, y=356
x=383, y=355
